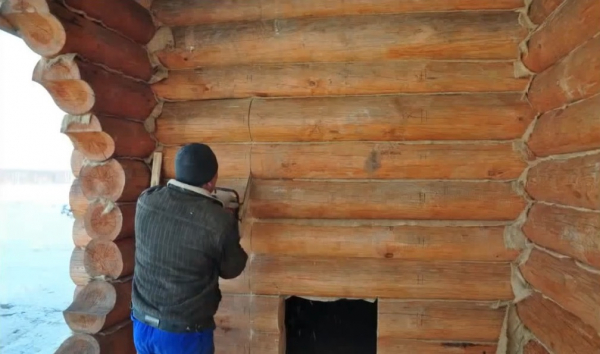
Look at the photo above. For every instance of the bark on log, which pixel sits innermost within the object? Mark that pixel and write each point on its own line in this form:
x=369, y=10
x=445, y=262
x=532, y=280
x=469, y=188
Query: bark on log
x=109, y=259
x=80, y=87
x=567, y=231
x=551, y=42
x=77, y=271
x=124, y=16
x=385, y=200
x=116, y=180
x=427, y=243
x=99, y=306
x=204, y=121
x=573, y=129
x=118, y=340
x=534, y=347
x=109, y=221
x=443, y=321
x=435, y=36
x=257, y=313
x=379, y=278
x=573, y=182
x=398, y=345
x=99, y=137
x=335, y=79
x=539, y=10
x=574, y=78
x=234, y=160
x=559, y=330
x=189, y=13
x=388, y=160
x=562, y=280
x=50, y=29
x=80, y=236
x=498, y=116
x=77, y=159
x=77, y=200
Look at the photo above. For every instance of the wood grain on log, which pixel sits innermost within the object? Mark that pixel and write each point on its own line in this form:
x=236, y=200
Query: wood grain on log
x=399, y=345
x=562, y=280
x=567, y=231
x=234, y=160
x=77, y=159
x=7, y=26
x=551, y=42
x=109, y=259
x=80, y=236
x=574, y=78
x=573, y=181
x=387, y=160
x=79, y=87
x=119, y=180
x=539, y=10
x=433, y=320
x=50, y=29
x=428, y=243
x=188, y=13
x=245, y=341
x=385, y=200
x=258, y=313
x=78, y=203
x=99, y=137
x=335, y=79
x=573, y=129
x=117, y=340
x=436, y=36
x=379, y=278
x=268, y=342
x=559, y=330
x=77, y=271
x=110, y=222
x=124, y=16
x=534, y=347
x=497, y=116
x=99, y=306
x=203, y=121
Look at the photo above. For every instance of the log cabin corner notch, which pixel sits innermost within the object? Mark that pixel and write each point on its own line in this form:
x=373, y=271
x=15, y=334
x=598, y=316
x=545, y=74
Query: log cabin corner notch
x=417, y=152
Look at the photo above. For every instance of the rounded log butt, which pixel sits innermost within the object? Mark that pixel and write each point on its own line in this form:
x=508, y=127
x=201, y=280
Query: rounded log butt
x=80, y=236
x=77, y=200
x=77, y=271
x=110, y=222
x=76, y=162
x=109, y=259
x=117, y=340
x=115, y=180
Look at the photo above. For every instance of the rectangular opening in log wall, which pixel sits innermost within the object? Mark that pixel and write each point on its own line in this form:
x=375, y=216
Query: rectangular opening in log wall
x=330, y=327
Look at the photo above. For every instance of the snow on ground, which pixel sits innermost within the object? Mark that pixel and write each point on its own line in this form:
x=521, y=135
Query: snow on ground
x=35, y=287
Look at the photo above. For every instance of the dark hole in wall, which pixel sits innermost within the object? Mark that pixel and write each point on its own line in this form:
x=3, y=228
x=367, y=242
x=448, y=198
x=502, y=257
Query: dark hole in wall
x=336, y=327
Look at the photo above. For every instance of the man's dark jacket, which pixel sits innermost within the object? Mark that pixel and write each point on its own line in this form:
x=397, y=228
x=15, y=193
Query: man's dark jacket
x=184, y=242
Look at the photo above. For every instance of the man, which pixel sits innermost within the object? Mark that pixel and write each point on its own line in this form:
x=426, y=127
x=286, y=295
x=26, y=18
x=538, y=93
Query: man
x=185, y=241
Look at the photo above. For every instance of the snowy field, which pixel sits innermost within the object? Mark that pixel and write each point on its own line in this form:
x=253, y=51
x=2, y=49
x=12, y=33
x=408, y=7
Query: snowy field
x=35, y=287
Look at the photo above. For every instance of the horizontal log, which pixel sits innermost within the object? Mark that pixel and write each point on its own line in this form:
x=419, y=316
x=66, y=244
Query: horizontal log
x=567, y=231
x=118, y=180
x=234, y=160
x=99, y=138
x=118, y=340
x=232, y=341
x=381, y=278
x=79, y=87
x=257, y=313
x=539, y=10
x=498, y=116
x=402, y=242
x=77, y=271
x=398, y=345
x=77, y=200
x=573, y=129
x=358, y=160
x=80, y=236
x=268, y=342
x=109, y=259
x=194, y=121
x=534, y=347
x=385, y=200
x=339, y=79
x=457, y=35
x=574, y=78
x=99, y=306
x=126, y=17
x=562, y=280
x=559, y=330
x=572, y=181
x=110, y=221
x=551, y=42
x=50, y=29
x=77, y=159
x=432, y=320
x=186, y=13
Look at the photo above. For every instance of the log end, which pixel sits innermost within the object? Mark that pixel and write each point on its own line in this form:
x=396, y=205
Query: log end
x=77, y=269
x=77, y=201
x=105, y=180
x=76, y=162
x=103, y=259
x=80, y=235
x=79, y=343
x=90, y=308
x=103, y=221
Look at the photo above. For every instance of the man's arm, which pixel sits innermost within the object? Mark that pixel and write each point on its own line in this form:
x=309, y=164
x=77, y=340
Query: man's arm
x=233, y=257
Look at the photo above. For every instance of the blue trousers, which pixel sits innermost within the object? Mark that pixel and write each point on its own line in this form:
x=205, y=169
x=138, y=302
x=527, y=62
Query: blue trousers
x=150, y=340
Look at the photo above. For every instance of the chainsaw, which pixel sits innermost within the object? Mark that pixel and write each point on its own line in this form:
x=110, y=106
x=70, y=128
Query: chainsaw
x=230, y=199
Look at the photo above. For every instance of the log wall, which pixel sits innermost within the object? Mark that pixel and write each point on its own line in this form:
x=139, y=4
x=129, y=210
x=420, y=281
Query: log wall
x=562, y=267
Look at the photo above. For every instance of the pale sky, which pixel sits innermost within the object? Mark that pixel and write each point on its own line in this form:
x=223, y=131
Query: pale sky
x=30, y=121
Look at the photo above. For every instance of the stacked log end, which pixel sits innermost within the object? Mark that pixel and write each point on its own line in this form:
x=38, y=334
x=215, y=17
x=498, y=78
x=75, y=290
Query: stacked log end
x=564, y=265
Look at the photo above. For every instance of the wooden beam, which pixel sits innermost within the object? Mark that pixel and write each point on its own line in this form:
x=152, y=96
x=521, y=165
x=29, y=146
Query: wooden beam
x=257, y=313
x=234, y=160
x=539, y=10
x=77, y=159
x=534, y=347
x=112, y=260
x=110, y=221
x=118, y=339
x=80, y=236
x=118, y=180
x=338, y=79
x=77, y=200
x=77, y=271
x=398, y=345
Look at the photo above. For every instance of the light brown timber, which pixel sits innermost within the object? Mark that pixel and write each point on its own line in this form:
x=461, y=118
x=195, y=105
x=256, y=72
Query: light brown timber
x=109, y=259
x=258, y=313
x=234, y=160
x=117, y=180
x=539, y=10
x=78, y=203
x=110, y=221
x=399, y=345
x=8, y=27
x=77, y=159
x=117, y=340
x=77, y=271
x=80, y=236
x=534, y=347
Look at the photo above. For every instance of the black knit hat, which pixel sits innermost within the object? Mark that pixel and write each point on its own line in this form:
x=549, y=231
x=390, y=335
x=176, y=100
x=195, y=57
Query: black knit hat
x=195, y=164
